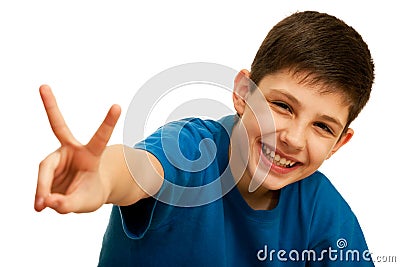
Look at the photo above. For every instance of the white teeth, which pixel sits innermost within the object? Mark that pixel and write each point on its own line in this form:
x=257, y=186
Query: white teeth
x=280, y=161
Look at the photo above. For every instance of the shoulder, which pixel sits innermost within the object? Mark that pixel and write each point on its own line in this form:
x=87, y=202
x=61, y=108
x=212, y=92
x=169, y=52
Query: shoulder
x=197, y=124
x=323, y=188
x=186, y=130
x=188, y=139
x=323, y=196
x=330, y=216
x=190, y=149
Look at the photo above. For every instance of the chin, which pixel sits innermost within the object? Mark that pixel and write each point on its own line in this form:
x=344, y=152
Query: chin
x=270, y=183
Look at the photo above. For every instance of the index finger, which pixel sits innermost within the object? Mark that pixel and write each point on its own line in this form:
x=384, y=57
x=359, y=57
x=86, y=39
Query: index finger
x=57, y=123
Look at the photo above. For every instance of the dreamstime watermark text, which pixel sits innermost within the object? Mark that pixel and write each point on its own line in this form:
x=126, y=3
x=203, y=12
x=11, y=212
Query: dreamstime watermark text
x=339, y=253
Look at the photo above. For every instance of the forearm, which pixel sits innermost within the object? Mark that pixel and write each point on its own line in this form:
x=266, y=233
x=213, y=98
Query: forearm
x=121, y=179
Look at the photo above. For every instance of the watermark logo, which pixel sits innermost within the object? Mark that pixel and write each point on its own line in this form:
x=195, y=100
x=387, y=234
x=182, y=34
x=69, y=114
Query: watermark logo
x=160, y=90
x=341, y=243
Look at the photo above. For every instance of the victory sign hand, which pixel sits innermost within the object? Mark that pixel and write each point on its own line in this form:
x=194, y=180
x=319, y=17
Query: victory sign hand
x=69, y=179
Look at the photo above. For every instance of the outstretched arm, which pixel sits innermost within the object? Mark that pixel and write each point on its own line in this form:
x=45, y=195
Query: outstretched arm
x=81, y=178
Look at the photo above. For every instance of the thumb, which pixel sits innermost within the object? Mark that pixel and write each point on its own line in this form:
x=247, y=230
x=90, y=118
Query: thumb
x=62, y=204
x=75, y=202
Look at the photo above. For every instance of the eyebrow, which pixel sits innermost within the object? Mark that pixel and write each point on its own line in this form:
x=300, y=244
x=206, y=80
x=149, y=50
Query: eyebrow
x=333, y=120
x=289, y=96
x=297, y=102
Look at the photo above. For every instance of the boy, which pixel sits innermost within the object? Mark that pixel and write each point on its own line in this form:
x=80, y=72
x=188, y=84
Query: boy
x=315, y=74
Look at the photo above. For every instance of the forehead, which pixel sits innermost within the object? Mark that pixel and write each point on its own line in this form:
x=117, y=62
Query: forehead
x=303, y=81
x=319, y=82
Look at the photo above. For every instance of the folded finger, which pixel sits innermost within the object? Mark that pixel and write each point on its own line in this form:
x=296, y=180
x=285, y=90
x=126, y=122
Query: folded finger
x=45, y=179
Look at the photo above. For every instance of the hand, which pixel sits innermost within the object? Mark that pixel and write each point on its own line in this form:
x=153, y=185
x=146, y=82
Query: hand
x=69, y=179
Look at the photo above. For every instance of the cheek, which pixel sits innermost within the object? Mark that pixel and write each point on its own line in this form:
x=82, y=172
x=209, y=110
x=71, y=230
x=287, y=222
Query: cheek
x=251, y=125
x=319, y=151
x=258, y=115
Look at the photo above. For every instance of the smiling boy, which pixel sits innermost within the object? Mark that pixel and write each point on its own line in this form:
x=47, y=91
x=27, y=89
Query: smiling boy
x=314, y=73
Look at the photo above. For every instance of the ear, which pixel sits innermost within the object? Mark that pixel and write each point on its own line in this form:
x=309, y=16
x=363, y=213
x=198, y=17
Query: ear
x=241, y=91
x=342, y=141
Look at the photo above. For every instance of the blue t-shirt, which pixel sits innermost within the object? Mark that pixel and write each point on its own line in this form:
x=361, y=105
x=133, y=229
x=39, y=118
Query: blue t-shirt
x=312, y=225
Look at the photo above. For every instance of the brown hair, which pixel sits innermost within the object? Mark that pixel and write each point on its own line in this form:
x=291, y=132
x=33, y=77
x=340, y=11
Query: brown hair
x=322, y=50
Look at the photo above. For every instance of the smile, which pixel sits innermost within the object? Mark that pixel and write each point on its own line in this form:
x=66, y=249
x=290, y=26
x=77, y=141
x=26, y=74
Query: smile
x=275, y=158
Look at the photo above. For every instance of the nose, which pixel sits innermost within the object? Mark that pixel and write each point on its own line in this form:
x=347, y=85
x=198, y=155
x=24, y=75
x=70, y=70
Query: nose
x=293, y=136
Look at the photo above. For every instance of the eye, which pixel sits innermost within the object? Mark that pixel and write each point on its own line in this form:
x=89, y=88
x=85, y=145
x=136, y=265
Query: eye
x=324, y=127
x=282, y=105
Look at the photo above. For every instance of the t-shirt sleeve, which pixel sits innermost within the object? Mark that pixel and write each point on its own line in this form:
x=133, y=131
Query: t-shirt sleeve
x=184, y=148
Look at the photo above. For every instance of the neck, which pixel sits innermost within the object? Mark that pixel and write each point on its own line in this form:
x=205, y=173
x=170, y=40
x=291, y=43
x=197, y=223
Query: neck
x=260, y=199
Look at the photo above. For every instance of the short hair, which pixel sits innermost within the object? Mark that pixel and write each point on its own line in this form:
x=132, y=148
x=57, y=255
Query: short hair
x=323, y=50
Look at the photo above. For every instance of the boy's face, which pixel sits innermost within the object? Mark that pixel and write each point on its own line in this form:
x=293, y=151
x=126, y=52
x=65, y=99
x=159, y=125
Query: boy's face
x=308, y=128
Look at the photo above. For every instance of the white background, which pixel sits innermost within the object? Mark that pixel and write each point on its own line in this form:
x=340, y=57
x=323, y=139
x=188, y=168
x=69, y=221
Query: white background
x=96, y=53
